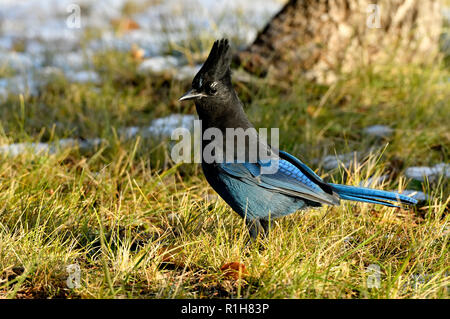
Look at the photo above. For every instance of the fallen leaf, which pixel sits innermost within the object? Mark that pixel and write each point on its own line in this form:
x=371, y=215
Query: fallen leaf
x=234, y=270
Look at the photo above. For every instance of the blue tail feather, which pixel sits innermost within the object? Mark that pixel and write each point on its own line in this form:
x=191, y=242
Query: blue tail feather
x=368, y=195
x=362, y=199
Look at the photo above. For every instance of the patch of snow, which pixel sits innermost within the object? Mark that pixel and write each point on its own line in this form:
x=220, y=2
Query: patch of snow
x=234, y=18
x=70, y=61
x=169, y=64
x=82, y=144
x=48, y=72
x=165, y=125
x=158, y=64
x=129, y=132
x=187, y=72
x=20, y=148
x=332, y=161
x=83, y=77
x=41, y=25
x=153, y=44
x=19, y=84
x=17, y=61
x=6, y=43
x=160, y=127
x=421, y=173
x=29, y=83
x=168, y=21
x=378, y=130
x=110, y=41
x=17, y=149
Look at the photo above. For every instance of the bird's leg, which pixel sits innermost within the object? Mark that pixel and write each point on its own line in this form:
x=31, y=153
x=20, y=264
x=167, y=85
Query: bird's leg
x=254, y=228
x=265, y=224
x=257, y=227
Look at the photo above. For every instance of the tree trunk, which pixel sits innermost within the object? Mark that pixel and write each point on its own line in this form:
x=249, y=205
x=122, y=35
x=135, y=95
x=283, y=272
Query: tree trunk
x=321, y=38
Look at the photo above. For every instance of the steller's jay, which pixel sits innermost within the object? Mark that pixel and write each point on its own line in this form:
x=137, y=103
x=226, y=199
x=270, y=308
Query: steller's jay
x=255, y=196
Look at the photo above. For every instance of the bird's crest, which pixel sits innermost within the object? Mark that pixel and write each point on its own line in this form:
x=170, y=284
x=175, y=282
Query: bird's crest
x=217, y=65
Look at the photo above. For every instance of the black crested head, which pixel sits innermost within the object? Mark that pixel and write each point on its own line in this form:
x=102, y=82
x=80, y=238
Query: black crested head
x=215, y=99
x=216, y=66
x=213, y=80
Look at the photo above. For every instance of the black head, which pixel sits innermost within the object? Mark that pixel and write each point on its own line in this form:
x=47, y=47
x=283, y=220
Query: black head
x=213, y=81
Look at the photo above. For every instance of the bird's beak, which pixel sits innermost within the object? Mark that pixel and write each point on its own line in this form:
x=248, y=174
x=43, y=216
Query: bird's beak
x=191, y=94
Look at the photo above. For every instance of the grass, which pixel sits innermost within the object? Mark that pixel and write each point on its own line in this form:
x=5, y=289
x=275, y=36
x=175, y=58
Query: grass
x=141, y=227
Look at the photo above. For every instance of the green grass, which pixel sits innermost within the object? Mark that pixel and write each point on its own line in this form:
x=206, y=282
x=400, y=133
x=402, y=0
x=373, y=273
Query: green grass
x=141, y=227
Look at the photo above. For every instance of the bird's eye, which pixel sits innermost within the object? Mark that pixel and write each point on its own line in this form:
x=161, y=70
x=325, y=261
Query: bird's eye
x=211, y=88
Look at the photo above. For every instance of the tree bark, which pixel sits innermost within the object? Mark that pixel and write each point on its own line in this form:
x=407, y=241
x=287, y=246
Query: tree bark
x=322, y=38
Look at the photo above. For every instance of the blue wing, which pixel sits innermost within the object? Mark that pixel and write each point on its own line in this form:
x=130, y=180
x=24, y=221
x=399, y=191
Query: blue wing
x=288, y=180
